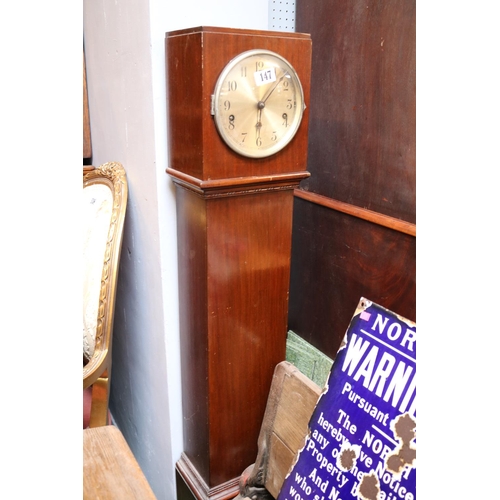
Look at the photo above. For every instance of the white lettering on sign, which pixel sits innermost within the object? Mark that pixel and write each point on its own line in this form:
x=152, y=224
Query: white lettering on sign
x=264, y=76
x=379, y=373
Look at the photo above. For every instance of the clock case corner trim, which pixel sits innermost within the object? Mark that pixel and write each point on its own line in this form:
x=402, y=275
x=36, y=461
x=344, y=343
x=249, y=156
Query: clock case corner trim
x=237, y=186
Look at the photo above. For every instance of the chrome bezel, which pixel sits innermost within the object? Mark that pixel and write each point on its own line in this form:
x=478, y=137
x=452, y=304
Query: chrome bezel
x=294, y=126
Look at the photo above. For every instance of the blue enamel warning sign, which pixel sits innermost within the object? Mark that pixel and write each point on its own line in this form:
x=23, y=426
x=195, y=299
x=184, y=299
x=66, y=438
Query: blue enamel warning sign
x=362, y=433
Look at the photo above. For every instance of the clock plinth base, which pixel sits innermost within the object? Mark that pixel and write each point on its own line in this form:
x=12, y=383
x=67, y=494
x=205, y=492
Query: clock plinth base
x=197, y=486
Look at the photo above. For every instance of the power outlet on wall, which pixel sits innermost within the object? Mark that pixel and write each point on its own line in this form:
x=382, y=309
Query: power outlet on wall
x=282, y=15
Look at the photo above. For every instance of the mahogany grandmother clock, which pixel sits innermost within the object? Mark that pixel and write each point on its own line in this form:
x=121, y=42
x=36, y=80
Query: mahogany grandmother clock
x=237, y=125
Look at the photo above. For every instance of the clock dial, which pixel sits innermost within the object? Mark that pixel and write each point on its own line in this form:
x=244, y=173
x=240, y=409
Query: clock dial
x=258, y=103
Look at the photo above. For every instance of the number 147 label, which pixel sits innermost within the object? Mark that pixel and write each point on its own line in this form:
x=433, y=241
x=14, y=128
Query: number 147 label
x=265, y=76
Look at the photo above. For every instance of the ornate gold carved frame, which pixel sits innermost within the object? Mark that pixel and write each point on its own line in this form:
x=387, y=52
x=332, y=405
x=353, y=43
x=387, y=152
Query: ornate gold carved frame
x=97, y=371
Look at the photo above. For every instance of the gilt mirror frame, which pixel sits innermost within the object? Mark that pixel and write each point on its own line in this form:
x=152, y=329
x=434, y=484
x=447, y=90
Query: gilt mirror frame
x=112, y=175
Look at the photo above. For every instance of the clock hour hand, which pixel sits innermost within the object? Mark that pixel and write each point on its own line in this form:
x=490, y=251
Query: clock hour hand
x=259, y=123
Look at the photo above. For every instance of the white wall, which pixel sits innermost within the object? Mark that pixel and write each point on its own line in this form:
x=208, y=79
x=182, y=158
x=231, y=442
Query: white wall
x=124, y=47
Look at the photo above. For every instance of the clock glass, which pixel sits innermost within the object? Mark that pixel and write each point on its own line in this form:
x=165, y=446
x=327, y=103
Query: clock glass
x=258, y=103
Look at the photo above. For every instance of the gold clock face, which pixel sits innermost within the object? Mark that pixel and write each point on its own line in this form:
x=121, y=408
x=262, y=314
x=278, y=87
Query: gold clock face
x=258, y=103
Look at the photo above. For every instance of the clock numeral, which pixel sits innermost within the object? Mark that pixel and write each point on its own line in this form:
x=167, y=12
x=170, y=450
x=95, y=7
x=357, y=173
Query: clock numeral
x=258, y=141
x=232, y=85
x=243, y=71
x=231, y=122
x=227, y=105
x=274, y=137
x=244, y=134
x=289, y=104
x=285, y=119
x=259, y=65
x=285, y=85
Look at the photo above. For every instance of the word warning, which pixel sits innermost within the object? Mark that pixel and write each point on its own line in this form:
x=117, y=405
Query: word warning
x=362, y=433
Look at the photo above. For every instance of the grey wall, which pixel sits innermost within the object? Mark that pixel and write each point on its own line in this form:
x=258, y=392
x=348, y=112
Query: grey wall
x=124, y=46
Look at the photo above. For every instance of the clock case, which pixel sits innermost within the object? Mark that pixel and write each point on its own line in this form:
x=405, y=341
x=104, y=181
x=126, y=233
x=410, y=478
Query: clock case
x=234, y=223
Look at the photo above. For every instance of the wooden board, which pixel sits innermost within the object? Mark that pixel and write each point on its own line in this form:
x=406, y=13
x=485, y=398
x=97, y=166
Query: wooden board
x=110, y=470
x=337, y=258
x=292, y=399
x=362, y=134
x=354, y=224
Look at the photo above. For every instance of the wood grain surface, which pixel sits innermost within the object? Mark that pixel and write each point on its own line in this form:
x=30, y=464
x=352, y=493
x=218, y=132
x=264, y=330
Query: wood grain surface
x=354, y=229
x=110, y=470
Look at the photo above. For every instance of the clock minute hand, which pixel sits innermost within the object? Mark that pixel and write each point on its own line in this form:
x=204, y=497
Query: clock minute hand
x=262, y=102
